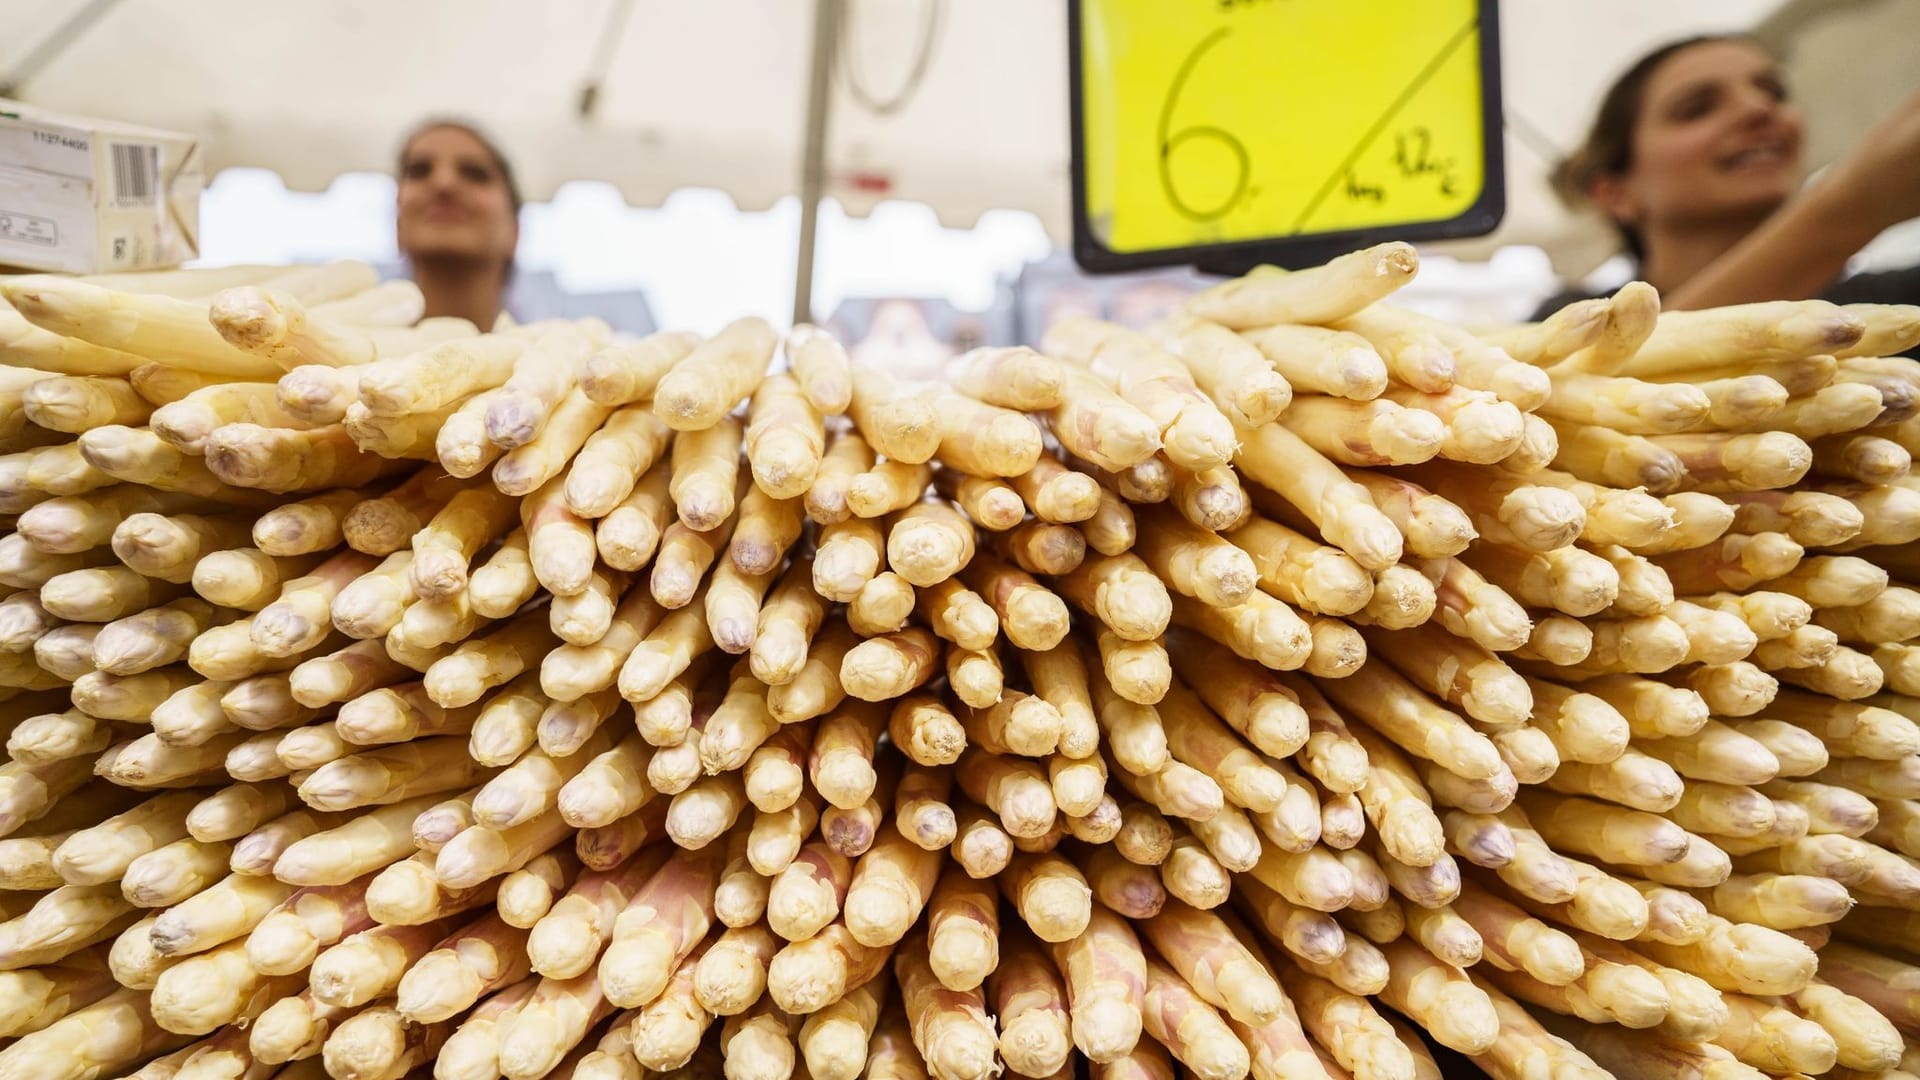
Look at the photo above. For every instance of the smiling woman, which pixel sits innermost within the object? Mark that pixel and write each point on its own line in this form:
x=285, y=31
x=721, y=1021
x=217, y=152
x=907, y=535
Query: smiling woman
x=458, y=222
x=1695, y=156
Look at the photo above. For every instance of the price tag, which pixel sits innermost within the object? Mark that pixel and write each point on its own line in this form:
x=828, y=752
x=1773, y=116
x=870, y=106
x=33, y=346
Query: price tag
x=1232, y=132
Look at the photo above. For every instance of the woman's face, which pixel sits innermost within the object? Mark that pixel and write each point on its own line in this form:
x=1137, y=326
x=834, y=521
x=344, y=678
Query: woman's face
x=453, y=201
x=1715, y=140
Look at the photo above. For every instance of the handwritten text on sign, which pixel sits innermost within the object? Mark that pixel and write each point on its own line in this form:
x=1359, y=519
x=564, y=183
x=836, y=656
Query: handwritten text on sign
x=1215, y=121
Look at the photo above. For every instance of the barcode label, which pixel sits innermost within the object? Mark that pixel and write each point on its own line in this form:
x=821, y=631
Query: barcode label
x=136, y=173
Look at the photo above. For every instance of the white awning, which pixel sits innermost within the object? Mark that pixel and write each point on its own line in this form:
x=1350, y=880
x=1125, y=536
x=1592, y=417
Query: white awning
x=712, y=93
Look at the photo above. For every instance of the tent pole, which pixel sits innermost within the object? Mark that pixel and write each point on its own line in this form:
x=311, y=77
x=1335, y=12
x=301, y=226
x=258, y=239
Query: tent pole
x=55, y=43
x=813, y=166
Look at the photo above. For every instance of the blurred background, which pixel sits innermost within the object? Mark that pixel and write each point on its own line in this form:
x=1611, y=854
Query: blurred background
x=659, y=142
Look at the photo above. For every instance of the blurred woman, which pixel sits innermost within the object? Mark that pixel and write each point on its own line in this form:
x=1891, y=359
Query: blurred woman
x=459, y=220
x=1695, y=157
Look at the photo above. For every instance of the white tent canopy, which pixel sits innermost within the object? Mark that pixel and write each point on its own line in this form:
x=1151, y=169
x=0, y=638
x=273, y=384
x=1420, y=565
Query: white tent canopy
x=713, y=93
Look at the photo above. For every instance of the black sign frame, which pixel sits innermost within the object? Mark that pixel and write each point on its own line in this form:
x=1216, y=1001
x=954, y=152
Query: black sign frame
x=1299, y=250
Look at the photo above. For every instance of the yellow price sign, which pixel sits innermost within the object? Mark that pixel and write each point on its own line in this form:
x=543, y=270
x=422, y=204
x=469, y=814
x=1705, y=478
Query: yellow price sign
x=1238, y=131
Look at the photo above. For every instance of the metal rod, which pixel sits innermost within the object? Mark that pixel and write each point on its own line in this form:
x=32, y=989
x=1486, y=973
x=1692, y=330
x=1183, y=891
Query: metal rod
x=604, y=51
x=813, y=163
x=51, y=46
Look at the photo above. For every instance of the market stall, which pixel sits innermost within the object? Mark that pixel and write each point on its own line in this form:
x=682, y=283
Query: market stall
x=978, y=127
x=1287, y=685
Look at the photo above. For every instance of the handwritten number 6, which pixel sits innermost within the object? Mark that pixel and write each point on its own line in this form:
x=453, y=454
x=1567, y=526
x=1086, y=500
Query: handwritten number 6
x=1169, y=142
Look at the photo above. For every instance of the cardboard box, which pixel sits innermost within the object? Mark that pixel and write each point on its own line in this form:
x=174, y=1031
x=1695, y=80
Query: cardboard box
x=84, y=196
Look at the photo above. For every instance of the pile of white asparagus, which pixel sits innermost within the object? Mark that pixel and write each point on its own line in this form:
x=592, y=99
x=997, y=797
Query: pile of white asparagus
x=1279, y=691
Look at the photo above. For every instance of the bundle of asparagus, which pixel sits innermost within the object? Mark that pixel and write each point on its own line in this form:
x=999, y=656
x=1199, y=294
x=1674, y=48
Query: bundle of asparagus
x=1283, y=690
